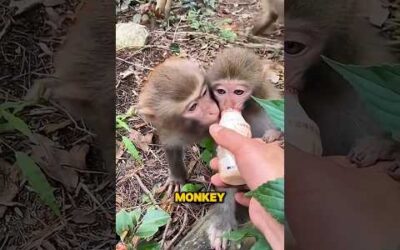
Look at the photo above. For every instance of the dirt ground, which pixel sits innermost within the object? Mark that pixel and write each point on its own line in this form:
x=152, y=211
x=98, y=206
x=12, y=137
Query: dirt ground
x=29, y=35
x=136, y=181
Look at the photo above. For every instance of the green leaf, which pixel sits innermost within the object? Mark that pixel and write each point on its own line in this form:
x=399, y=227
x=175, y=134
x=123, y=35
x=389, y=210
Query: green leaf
x=227, y=35
x=123, y=223
x=6, y=127
x=275, y=110
x=37, y=180
x=135, y=216
x=144, y=245
x=271, y=197
x=246, y=231
x=16, y=123
x=175, y=49
x=379, y=87
x=15, y=106
x=131, y=148
x=191, y=187
x=261, y=244
x=208, y=143
x=121, y=123
x=152, y=220
x=206, y=156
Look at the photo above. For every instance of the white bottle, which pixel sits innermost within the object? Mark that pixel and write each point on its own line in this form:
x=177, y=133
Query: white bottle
x=228, y=169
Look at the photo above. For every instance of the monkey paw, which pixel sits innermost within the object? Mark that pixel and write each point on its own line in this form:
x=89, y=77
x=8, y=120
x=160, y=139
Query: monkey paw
x=171, y=185
x=272, y=135
x=218, y=227
x=369, y=150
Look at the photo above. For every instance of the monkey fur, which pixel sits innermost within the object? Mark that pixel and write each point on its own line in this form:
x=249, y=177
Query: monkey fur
x=84, y=77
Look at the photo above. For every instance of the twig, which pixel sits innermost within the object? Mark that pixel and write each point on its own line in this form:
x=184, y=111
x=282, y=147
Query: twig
x=171, y=243
x=134, y=64
x=146, y=190
x=5, y=28
x=165, y=233
x=11, y=204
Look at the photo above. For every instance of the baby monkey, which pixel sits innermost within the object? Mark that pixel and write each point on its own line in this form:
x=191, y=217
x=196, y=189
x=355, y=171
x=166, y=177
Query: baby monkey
x=272, y=11
x=176, y=100
x=236, y=75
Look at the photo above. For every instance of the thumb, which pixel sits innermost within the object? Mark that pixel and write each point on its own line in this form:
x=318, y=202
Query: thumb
x=227, y=138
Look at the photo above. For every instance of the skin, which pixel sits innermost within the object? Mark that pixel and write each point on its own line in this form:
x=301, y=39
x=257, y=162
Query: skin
x=258, y=163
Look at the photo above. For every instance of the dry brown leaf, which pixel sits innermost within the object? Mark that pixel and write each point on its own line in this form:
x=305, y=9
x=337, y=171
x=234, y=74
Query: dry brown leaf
x=57, y=163
x=50, y=128
x=24, y=5
x=10, y=178
x=81, y=216
x=128, y=72
x=45, y=48
x=273, y=71
x=141, y=141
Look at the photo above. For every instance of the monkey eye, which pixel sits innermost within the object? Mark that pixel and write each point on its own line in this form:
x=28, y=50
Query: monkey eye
x=193, y=107
x=293, y=48
x=238, y=92
x=221, y=91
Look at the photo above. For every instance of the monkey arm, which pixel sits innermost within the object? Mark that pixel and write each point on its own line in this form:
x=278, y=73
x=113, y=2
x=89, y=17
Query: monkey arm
x=177, y=171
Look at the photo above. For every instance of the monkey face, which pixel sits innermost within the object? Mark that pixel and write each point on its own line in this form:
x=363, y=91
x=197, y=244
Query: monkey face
x=202, y=109
x=303, y=46
x=231, y=94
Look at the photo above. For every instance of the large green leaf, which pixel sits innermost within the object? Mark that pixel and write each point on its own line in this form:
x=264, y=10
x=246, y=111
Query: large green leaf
x=191, y=187
x=126, y=221
x=152, y=221
x=131, y=148
x=16, y=123
x=37, y=180
x=379, y=87
x=123, y=223
x=249, y=231
x=271, y=197
x=275, y=110
x=144, y=245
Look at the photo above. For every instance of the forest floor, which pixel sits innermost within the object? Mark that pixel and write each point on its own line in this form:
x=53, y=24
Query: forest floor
x=200, y=37
x=30, y=33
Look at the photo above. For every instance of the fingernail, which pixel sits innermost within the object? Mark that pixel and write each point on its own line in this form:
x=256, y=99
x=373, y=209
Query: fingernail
x=214, y=129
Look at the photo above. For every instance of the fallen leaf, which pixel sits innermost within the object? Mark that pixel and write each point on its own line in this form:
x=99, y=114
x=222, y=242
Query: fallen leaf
x=141, y=141
x=58, y=163
x=126, y=73
x=50, y=128
x=45, y=49
x=81, y=216
x=10, y=177
x=24, y=5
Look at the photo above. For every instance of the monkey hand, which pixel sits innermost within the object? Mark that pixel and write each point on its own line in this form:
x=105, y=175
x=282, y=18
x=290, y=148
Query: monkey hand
x=272, y=135
x=368, y=150
x=173, y=184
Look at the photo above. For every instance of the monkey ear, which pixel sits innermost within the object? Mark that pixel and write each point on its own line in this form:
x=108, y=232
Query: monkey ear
x=147, y=113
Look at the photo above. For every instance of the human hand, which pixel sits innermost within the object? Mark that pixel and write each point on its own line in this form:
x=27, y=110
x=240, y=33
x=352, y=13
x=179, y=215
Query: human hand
x=258, y=163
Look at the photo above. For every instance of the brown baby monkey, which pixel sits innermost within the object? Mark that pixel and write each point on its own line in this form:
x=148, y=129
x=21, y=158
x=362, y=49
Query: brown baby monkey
x=235, y=76
x=176, y=100
x=272, y=11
